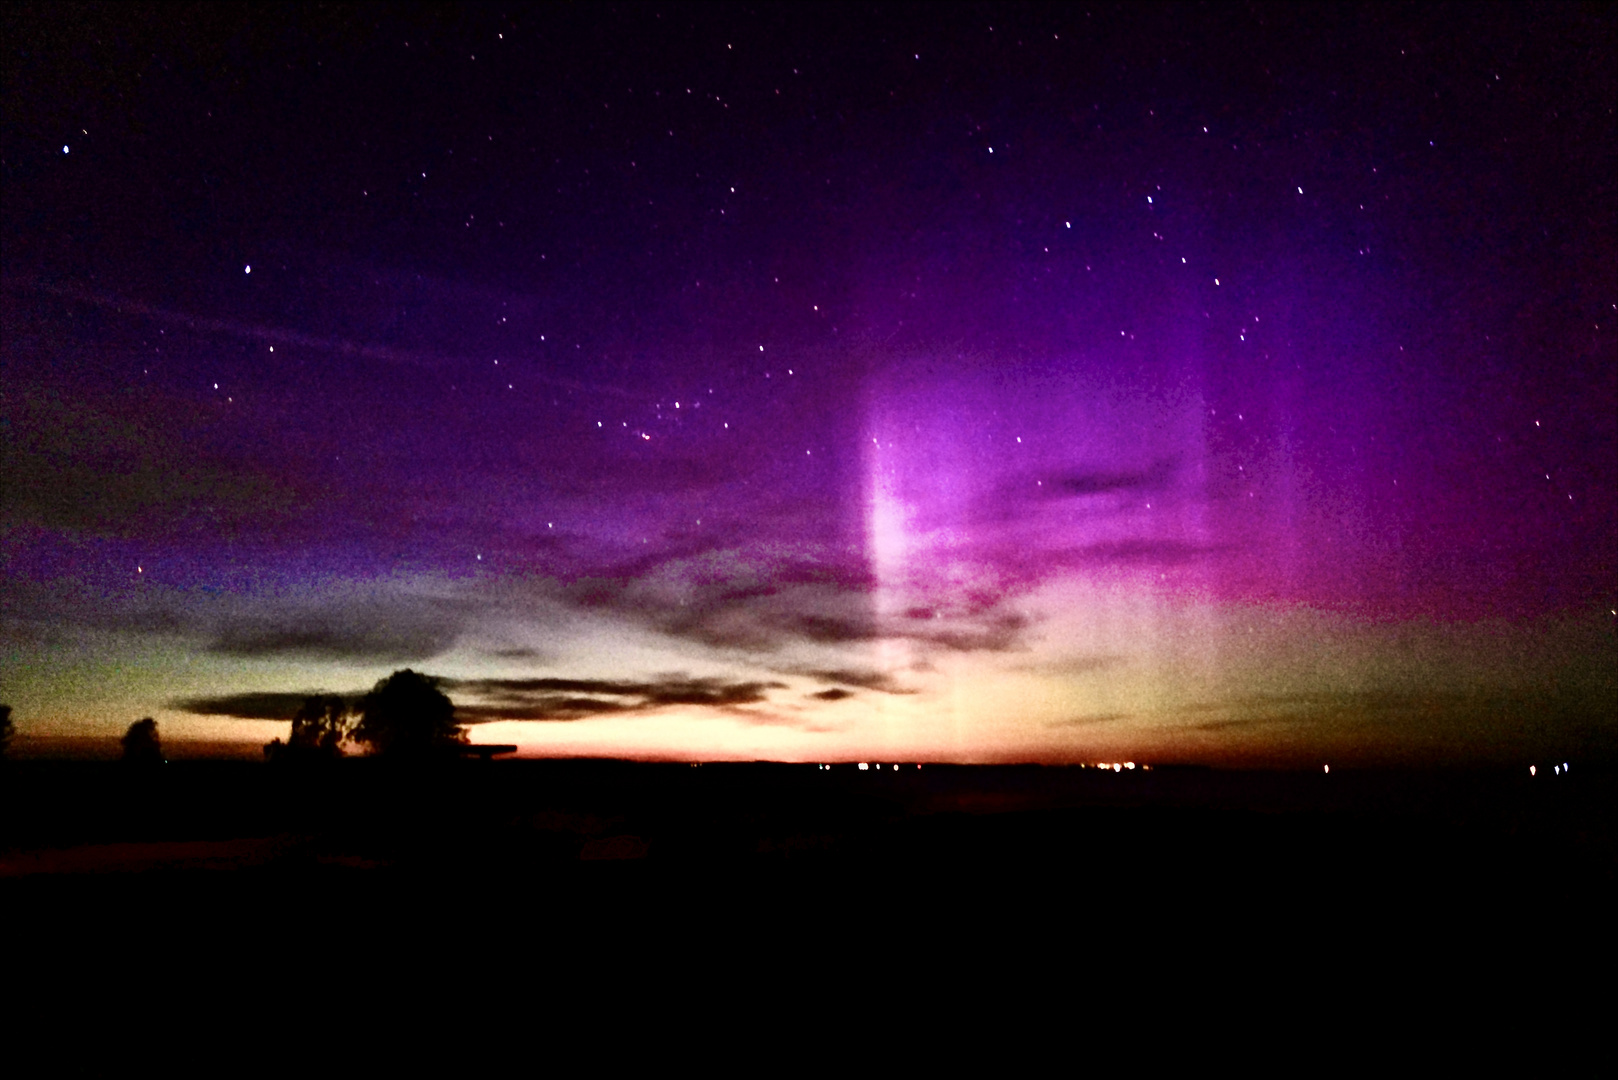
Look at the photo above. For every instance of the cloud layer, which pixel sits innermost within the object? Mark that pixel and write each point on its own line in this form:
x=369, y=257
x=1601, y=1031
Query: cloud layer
x=577, y=699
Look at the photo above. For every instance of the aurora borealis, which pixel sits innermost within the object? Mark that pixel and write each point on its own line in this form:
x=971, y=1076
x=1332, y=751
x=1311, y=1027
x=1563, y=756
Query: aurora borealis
x=1007, y=383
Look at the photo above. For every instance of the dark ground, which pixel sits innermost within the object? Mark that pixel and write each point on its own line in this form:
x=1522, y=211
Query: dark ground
x=613, y=878
x=1061, y=837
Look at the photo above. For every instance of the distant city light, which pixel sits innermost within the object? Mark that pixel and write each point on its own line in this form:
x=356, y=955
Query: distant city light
x=1531, y=770
x=864, y=765
x=1327, y=768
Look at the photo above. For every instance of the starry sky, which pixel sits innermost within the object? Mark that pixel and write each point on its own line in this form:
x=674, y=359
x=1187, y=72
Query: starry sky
x=1223, y=384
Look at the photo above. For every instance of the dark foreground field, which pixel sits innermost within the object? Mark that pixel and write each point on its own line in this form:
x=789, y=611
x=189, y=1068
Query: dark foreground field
x=602, y=872
x=1054, y=839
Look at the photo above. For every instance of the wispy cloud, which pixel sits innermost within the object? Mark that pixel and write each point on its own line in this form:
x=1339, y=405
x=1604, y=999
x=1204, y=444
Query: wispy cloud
x=379, y=628
x=325, y=636
x=576, y=699
x=1098, y=482
x=764, y=598
x=1087, y=721
x=258, y=705
x=866, y=680
x=481, y=700
x=775, y=581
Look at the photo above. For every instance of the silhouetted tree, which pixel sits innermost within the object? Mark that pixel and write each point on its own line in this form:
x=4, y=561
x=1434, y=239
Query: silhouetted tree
x=318, y=729
x=6, y=731
x=407, y=716
x=141, y=746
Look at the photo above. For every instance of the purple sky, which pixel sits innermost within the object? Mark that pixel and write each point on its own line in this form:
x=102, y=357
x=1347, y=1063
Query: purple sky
x=989, y=384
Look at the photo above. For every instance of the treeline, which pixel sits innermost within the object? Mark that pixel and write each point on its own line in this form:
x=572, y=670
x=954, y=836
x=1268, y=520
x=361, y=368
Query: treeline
x=405, y=715
x=140, y=742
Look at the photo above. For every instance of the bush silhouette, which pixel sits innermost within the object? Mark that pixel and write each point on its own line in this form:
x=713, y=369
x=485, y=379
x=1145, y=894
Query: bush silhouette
x=141, y=745
x=406, y=716
x=318, y=730
x=7, y=730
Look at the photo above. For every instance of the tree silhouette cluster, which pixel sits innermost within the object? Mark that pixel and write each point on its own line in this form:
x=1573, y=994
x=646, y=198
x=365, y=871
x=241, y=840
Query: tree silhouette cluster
x=404, y=717
x=141, y=744
x=319, y=727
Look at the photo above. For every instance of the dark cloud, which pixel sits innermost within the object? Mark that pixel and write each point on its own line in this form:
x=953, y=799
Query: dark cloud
x=383, y=634
x=833, y=629
x=731, y=600
x=1000, y=632
x=261, y=705
x=516, y=689
x=755, y=601
x=711, y=692
x=369, y=628
x=760, y=593
x=866, y=680
x=1011, y=502
x=543, y=707
x=482, y=700
x=56, y=614
x=871, y=680
x=834, y=694
x=1085, y=721
x=575, y=699
x=766, y=627
x=1245, y=721
x=1155, y=478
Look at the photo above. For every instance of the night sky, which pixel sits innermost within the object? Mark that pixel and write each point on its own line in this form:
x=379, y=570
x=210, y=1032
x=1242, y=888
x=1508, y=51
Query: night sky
x=1229, y=384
